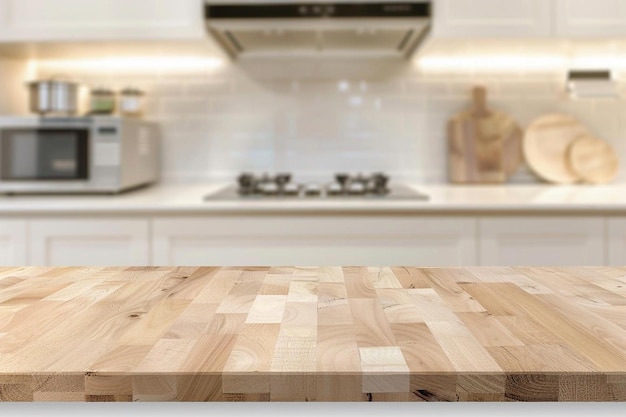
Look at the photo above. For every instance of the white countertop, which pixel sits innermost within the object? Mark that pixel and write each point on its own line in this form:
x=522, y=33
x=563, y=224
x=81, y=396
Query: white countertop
x=188, y=199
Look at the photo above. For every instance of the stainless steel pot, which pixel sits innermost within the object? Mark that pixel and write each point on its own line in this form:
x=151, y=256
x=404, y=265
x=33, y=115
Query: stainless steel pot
x=53, y=96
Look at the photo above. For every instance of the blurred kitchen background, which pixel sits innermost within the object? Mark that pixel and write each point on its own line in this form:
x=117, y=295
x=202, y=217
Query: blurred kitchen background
x=319, y=114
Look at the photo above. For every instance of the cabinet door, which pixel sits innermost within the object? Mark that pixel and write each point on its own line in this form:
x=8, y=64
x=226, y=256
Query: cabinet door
x=314, y=240
x=584, y=18
x=616, y=227
x=492, y=18
x=13, y=242
x=548, y=241
x=89, y=241
x=32, y=20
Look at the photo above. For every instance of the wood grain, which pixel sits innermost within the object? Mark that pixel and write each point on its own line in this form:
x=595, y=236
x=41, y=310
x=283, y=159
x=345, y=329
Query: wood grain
x=313, y=334
x=546, y=143
x=484, y=145
x=593, y=160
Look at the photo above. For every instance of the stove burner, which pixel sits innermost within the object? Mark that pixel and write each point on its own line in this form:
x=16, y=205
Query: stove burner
x=342, y=186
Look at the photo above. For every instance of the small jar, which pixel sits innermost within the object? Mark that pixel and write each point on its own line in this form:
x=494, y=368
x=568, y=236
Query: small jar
x=102, y=101
x=131, y=102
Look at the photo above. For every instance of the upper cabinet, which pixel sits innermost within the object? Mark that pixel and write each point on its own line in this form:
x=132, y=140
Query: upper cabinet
x=492, y=18
x=584, y=18
x=69, y=20
x=104, y=20
x=498, y=19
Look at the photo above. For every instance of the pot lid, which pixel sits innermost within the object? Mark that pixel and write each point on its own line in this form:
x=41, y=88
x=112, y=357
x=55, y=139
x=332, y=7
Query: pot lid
x=129, y=91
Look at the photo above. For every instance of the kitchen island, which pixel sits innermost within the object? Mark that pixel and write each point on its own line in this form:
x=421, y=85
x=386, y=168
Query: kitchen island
x=312, y=334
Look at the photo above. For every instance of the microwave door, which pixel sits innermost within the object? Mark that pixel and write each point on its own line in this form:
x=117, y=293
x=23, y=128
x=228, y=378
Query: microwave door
x=44, y=154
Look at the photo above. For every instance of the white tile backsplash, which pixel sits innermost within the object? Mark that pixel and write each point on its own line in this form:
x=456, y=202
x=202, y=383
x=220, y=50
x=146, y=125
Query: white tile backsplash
x=324, y=116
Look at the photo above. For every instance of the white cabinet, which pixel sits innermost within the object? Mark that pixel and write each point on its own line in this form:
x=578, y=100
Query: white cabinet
x=89, y=241
x=492, y=18
x=584, y=18
x=46, y=20
x=616, y=241
x=299, y=239
x=314, y=240
x=529, y=19
x=545, y=240
x=13, y=249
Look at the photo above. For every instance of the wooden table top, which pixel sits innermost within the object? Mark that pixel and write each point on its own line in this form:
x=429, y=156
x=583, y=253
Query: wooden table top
x=307, y=333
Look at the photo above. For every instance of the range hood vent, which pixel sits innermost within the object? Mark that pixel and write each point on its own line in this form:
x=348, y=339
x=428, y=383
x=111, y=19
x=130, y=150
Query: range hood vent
x=380, y=30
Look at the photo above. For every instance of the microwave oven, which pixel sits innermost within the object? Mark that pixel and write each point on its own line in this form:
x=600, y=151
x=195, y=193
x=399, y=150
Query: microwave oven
x=97, y=154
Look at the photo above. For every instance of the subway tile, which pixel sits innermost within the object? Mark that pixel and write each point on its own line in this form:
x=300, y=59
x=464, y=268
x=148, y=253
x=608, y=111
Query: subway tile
x=183, y=106
x=316, y=117
x=428, y=89
x=209, y=88
x=529, y=89
x=163, y=89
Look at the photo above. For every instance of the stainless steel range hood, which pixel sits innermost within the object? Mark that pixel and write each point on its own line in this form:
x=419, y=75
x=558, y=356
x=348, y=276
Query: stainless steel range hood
x=342, y=29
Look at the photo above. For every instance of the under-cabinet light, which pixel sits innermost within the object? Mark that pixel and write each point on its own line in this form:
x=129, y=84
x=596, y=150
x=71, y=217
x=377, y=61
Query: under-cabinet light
x=129, y=64
x=490, y=62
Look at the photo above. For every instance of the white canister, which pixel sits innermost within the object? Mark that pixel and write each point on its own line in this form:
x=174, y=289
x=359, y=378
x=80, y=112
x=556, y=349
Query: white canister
x=131, y=102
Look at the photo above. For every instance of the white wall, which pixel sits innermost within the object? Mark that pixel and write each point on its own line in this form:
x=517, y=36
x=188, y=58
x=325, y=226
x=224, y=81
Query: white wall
x=321, y=116
x=13, y=93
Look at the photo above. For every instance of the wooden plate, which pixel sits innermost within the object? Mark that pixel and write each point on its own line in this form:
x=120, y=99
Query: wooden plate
x=546, y=144
x=593, y=160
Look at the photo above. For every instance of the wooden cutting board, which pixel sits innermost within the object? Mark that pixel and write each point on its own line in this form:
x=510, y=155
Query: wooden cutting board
x=546, y=143
x=484, y=145
x=593, y=160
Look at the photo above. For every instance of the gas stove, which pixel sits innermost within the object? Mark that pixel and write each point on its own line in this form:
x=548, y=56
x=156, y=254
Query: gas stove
x=343, y=186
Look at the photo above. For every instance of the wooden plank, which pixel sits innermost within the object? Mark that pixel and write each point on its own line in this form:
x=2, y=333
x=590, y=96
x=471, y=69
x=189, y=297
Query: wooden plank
x=567, y=328
x=384, y=370
x=357, y=283
x=410, y=277
x=337, y=350
x=246, y=370
x=444, y=282
x=540, y=358
x=488, y=330
x=383, y=278
x=462, y=348
x=370, y=323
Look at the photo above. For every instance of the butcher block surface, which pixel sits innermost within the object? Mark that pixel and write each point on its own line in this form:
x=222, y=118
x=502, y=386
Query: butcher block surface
x=312, y=334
